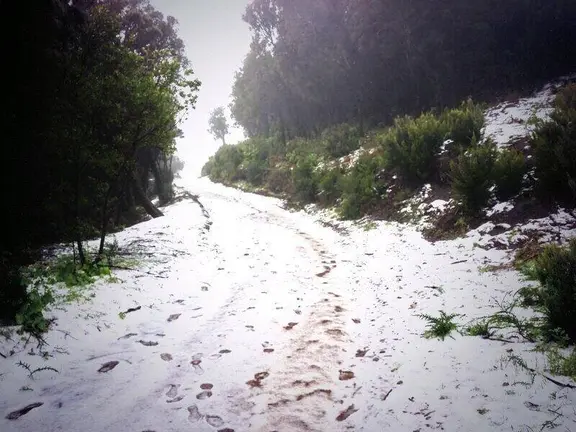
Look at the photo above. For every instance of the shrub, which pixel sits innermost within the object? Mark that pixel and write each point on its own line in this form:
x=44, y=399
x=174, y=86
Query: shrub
x=254, y=171
x=412, y=146
x=224, y=166
x=554, y=145
x=439, y=327
x=304, y=178
x=464, y=124
x=471, y=175
x=298, y=149
x=509, y=171
x=341, y=139
x=555, y=269
x=279, y=180
x=359, y=188
x=329, y=185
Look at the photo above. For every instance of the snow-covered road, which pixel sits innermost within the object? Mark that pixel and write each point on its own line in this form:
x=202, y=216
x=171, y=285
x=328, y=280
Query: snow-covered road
x=255, y=318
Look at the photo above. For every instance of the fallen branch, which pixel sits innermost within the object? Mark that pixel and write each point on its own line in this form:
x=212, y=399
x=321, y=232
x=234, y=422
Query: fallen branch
x=356, y=391
x=387, y=394
x=522, y=364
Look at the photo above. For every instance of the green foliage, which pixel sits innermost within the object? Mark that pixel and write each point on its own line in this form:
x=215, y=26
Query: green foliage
x=304, y=179
x=555, y=269
x=224, y=166
x=554, y=144
x=530, y=296
x=480, y=328
x=279, y=180
x=509, y=171
x=412, y=145
x=464, y=124
x=341, y=139
x=471, y=176
x=68, y=270
x=329, y=184
x=31, y=315
x=560, y=364
x=114, y=85
x=359, y=188
x=505, y=318
x=218, y=124
x=439, y=327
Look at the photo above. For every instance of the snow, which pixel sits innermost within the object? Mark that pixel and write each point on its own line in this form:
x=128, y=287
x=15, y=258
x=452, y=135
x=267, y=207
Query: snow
x=501, y=207
x=510, y=121
x=281, y=300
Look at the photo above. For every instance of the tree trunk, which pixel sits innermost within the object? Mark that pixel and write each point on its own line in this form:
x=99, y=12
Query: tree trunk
x=223, y=140
x=81, y=254
x=158, y=180
x=143, y=200
x=104, y=222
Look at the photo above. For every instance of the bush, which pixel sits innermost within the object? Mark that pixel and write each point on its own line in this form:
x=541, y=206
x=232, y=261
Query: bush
x=471, y=175
x=555, y=269
x=341, y=139
x=254, y=171
x=304, y=178
x=359, y=188
x=509, y=171
x=329, y=185
x=412, y=146
x=279, y=180
x=464, y=124
x=298, y=149
x=554, y=145
x=224, y=166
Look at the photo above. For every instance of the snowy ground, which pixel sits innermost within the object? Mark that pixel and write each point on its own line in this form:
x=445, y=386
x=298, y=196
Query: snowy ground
x=254, y=318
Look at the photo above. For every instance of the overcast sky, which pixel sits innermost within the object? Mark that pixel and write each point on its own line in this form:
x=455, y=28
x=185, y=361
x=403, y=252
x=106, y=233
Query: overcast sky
x=216, y=41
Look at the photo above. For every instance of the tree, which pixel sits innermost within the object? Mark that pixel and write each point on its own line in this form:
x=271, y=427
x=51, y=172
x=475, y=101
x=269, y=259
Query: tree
x=315, y=64
x=112, y=85
x=218, y=124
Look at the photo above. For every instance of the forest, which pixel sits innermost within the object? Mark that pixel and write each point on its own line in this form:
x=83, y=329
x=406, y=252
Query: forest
x=397, y=79
x=316, y=64
x=97, y=92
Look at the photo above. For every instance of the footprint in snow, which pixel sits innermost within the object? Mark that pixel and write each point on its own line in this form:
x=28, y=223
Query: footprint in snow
x=15, y=415
x=147, y=343
x=176, y=399
x=197, y=368
x=128, y=336
x=166, y=357
x=346, y=413
x=173, y=317
x=193, y=414
x=108, y=366
x=204, y=395
x=173, y=390
x=290, y=326
x=214, y=421
x=346, y=375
